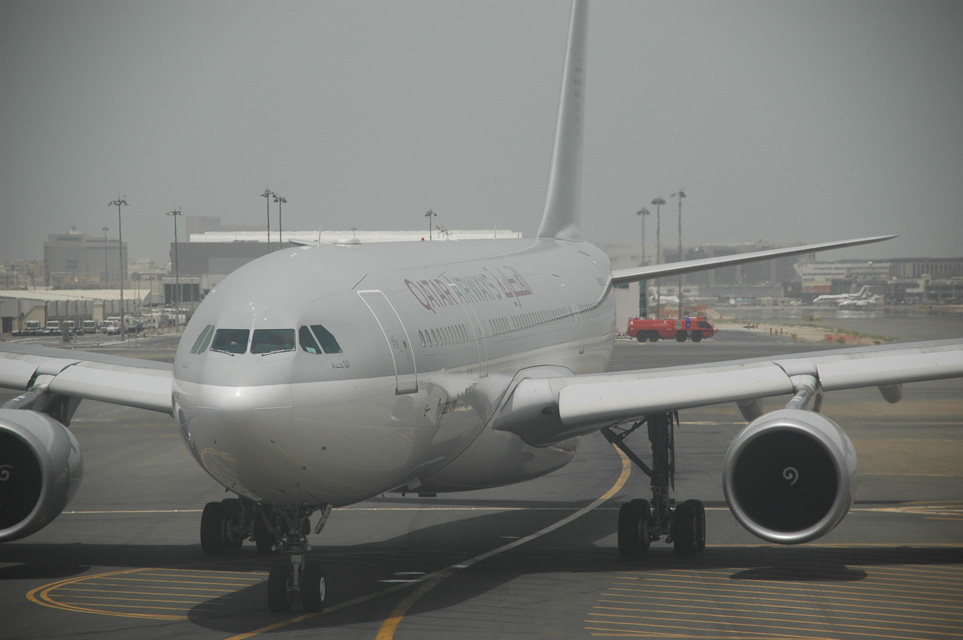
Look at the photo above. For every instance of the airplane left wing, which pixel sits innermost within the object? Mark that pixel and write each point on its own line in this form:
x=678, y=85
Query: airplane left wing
x=634, y=274
x=127, y=381
x=543, y=410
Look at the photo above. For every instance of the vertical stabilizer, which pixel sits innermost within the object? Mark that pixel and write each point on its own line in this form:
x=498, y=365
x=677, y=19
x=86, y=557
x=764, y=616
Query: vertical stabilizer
x=563, y=201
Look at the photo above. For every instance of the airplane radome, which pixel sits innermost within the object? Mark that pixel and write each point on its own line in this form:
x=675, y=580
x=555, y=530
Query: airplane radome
x=319, y=376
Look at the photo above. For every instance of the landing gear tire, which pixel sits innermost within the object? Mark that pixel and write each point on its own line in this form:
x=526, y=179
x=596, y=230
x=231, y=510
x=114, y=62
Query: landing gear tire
x=233, y=533
x=634, y=528
x=212, y=529
x=697, y=336
x=313, y=588
x=689, y=528
x=280, y=588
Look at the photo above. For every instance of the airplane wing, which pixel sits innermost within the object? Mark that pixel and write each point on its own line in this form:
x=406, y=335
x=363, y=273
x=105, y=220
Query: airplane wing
x=132, y=382
x=633, y=274
x=543, y=410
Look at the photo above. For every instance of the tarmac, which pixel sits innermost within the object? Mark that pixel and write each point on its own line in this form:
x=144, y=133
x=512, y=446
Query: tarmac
x=532, y=560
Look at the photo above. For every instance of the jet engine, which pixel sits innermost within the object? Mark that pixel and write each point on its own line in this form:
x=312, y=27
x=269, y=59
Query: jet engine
x=40, y=470
x=790, y=476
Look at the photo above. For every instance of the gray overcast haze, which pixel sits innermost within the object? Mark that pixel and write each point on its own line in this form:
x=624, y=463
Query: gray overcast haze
x=785, y=121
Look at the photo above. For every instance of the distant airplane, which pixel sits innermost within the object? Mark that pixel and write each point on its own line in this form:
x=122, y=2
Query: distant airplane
x=318, y=377
x=861, y=298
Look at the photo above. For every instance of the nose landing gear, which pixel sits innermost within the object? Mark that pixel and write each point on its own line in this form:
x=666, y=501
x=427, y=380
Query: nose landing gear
x=226, y=524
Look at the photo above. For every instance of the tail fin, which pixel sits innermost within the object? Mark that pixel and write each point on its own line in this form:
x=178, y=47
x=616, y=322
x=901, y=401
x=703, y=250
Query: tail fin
x=563, y=201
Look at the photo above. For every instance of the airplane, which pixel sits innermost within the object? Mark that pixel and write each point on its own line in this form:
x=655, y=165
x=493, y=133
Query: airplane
x=861, y=298
x=319, y=376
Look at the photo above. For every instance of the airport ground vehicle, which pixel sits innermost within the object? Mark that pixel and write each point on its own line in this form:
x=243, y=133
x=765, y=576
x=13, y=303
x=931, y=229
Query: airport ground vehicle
x=653, y=330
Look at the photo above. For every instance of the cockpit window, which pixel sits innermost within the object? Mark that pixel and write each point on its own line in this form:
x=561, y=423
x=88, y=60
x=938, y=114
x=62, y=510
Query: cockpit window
x=272, y=340
x=202, y=340
x=327, y=341
x=230, y=340
x=307, y=341
x=320, y=341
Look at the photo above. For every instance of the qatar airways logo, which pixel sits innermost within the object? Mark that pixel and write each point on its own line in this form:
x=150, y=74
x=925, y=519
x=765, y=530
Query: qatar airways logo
x=486, y=286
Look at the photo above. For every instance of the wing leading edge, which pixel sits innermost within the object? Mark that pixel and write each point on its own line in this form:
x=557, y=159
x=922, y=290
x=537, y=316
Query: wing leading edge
x=633, y=274
x=546, y=410
x=131, y=382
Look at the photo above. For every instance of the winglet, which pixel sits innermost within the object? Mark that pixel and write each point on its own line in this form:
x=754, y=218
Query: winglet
x=563, y=201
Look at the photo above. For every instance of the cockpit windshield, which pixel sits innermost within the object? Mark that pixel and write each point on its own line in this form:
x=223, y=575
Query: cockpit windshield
x=230, y=340
x=272, y=340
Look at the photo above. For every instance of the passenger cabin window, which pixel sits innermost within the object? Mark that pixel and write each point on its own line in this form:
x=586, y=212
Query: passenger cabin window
x=317, y=340
x=230, y=340
x=272, y=340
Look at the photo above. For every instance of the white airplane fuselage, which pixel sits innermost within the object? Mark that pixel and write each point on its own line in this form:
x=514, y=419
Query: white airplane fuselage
x=430, y=335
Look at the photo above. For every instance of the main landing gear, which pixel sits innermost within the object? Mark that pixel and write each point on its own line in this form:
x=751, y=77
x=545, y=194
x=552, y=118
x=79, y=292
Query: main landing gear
x=641, y=522
x=225, y=525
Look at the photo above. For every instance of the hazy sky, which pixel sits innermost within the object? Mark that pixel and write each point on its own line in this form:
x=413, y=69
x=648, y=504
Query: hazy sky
x=785, y=121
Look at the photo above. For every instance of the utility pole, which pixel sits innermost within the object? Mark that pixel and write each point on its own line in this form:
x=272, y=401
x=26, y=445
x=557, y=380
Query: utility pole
x=177, y=279
x=120, y=202
x=267, y=197
x=431, y=214
x=658, y=202
x=280, y=200
x=680, y=194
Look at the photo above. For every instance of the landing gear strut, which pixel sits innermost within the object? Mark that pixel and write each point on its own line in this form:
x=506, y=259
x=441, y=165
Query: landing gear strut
x=641, y=523
x=226, y=524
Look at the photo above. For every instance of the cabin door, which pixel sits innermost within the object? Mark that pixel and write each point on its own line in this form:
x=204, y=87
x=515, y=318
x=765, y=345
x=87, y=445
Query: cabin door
x=399, y=345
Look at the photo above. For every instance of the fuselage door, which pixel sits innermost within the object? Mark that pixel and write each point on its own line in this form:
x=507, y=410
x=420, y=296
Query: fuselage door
x=399, y=346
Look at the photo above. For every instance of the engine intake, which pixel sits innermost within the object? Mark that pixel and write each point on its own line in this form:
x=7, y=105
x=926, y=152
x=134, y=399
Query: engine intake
x=790, y=476
x=40, y=470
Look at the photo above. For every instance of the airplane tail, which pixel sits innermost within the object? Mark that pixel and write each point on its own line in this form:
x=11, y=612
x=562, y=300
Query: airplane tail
x=563, y=200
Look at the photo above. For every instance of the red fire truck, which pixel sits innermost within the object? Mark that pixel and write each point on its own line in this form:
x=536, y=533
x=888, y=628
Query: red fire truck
x=697, y=328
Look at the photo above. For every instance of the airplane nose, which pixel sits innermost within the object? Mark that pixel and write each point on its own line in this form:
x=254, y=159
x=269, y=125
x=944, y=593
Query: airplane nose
x=234, y=432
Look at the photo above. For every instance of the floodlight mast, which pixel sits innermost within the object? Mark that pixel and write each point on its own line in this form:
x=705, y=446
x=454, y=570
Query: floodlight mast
x=120, y=202
x=267, y=200
x=176, y=301
x=658, y=202
x=279, y=199
x=680, y=194
x=643, y=302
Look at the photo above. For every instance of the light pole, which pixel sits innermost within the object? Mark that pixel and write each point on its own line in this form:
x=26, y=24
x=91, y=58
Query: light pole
x=431, y=214
x=120, y=202
x=267, y=198
x=658, y=202
x=280, y=200
x=643, y=302
x=680, y=194
x=177, y=278
x=106, y=271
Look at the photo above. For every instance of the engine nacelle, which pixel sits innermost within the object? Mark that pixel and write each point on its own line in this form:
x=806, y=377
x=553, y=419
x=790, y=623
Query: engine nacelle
x=790, y=476
x=40, y=470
